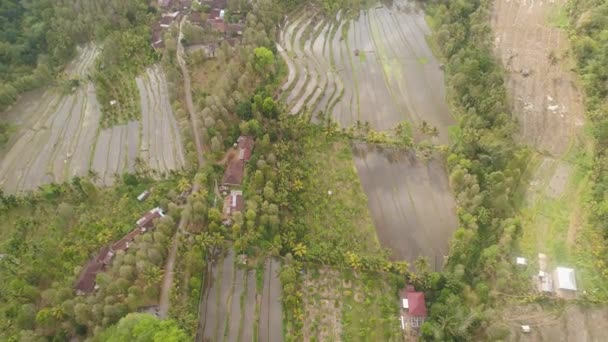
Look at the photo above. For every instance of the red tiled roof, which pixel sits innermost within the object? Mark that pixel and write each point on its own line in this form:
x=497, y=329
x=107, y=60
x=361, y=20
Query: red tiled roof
x=215, y=3
x=86, y=279
x=124, y=243
x=195, y=18
x=218, y=25
x=166, y=21
x=234, y=172
x=417, y=304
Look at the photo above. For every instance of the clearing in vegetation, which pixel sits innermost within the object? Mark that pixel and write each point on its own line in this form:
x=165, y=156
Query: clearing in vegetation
x=59, y=135
x=365, y=69
x=410, y=201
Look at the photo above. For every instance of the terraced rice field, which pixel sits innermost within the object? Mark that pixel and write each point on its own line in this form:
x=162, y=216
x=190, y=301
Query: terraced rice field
x=376, y=67
x=231, y=306
x=59, y=136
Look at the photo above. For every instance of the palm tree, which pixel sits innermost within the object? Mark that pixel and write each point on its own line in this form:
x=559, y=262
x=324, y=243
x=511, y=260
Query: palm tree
x=300, y=250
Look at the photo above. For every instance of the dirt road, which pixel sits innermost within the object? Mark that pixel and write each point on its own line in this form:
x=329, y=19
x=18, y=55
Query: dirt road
x=188, y=96
x=165, y=292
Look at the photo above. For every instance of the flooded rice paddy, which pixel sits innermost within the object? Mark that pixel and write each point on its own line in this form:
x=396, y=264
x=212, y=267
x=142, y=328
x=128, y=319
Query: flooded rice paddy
x=231, y=306
x=59, y=136
x=376, y=67
x=410, y=201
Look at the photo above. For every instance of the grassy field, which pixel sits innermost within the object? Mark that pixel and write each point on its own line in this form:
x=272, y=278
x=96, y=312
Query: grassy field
x=338, y=215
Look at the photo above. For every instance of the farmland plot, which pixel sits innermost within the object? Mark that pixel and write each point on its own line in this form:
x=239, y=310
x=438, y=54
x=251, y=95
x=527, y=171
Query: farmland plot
x=342, y=306
x=59, y=135
x=376, y=68
x=230, y=301
x=410, y=201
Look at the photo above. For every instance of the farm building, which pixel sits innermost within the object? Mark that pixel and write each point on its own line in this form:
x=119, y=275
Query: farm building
x=564, y=279
x=233, y=176
x=157, y=39
x=86, y=281
x=413, y=310
x=214, y=14
x=166, y=21
x=232, y=204
x=146, y=221
x=195, y=19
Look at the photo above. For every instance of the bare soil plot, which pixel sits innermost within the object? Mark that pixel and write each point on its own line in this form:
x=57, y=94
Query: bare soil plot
x=271, y=317
x=410, y=201
x=573, y=324
x=59, y=135
x=543, y=92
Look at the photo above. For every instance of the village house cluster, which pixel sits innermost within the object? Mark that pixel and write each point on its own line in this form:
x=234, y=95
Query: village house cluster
x=214, y=21
x=233, y=177
x=86, y=281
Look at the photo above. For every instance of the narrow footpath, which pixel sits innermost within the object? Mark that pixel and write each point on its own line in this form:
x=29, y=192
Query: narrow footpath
x=188, y=95
x=163, y=306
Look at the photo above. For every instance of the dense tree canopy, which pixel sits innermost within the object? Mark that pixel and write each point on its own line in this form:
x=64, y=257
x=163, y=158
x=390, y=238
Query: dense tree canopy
x=144, y=328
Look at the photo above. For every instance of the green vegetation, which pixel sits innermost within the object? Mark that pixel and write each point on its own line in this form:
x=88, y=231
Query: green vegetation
x=486, y=169
x=144, y=327
x=124, y=56
x=50, y=235
x=589, y=37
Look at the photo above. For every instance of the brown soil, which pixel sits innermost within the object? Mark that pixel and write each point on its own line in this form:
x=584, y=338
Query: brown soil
x=547, y=102
x=574, y=324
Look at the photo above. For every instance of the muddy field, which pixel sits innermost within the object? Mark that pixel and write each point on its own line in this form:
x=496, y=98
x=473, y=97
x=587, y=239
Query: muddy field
x=59, y=136
x=543, y=92
x=271, y=316
x=376, y=67
x=410, y=200
x=230, y=302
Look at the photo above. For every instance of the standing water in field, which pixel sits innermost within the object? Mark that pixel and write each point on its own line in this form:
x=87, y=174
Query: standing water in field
x=377, y=67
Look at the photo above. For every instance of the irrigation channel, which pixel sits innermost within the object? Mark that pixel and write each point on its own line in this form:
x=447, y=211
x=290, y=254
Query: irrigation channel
x=377, y=67
x=232, y=306
x=59, y=136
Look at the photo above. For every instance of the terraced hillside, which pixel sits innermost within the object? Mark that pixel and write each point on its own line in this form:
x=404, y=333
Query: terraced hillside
x=376, y=67
x=59, y=135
